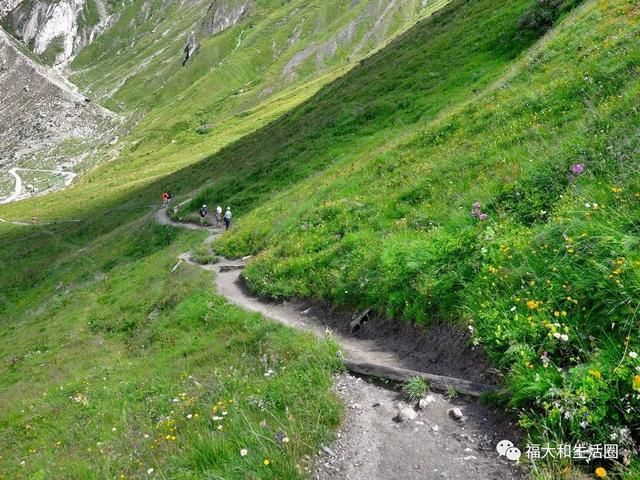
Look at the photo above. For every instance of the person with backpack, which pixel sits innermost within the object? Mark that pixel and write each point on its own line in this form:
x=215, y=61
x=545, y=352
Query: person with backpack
x=227, y=219
x=218, y=216
x=203, y=215
x=165, y=199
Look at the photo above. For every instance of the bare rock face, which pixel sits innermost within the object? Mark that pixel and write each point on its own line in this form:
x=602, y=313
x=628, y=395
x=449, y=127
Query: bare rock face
x=58, y=29
x=223, y=14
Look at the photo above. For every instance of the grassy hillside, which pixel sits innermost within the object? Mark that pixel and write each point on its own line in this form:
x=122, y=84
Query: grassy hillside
x=545, y=273
x=360, y=192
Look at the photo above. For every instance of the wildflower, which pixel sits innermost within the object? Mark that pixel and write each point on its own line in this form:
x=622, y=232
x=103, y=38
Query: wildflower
x=577, y=169
x=266, y=461
x=244, y=452
x=482, y=217
x=595, y=374
x=532, y=304
x=636, y=383
x=633, y=355
x=601, y=472
x=190, y=416
x=616, y=189
x=150, y=471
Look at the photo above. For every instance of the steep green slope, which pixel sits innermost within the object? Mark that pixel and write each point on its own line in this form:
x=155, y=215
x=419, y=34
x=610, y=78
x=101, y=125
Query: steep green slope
x=361, y=195
x=543, y=271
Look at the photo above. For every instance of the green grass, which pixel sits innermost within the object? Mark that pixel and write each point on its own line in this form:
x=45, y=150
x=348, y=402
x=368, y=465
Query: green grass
x=122, y=366
x=203, y=255
x=415, y=388
x=357, y=190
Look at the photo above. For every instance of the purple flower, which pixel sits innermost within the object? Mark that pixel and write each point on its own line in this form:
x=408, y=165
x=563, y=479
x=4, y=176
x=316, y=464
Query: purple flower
x=482, y=217
x=577, y=168
x=476, y=205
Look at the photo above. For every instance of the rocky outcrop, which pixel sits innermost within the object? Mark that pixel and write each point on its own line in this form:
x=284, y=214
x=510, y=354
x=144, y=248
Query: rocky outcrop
x=57, y=30
x=223, y=14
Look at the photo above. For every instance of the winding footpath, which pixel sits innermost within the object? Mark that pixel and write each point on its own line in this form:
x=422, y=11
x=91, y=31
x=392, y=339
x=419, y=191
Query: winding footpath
x=373, y=444
x=18, y=187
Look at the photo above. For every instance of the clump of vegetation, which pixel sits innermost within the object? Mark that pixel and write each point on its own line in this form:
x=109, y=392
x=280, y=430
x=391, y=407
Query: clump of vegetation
x=415, y=388
x=203, y=255
x=544, y=14
x=55, y=48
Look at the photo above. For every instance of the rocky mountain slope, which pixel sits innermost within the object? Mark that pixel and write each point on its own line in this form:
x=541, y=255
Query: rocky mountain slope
x=45, y=123
x=56, y=31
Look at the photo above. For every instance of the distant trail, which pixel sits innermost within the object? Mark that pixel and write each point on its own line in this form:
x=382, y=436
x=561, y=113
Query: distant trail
x=370, y=445
x=17, y=189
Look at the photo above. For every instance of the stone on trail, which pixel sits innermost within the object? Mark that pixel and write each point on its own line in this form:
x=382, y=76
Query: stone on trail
x=424, y=402
x=407, y=413
x=328, y=451
x=456, y=414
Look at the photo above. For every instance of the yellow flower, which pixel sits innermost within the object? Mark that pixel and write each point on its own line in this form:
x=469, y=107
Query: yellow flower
x=595, y=374
x=266, y=461
x=532, y=304
x=616, y=189
x=636, y=383
x=601, y=472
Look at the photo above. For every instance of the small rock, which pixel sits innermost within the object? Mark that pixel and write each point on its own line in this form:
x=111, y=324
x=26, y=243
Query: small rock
x=424, y=402
x=377, y=404
x=407, y=413
x=328, y=451
x=435, y=428
x=455, y=413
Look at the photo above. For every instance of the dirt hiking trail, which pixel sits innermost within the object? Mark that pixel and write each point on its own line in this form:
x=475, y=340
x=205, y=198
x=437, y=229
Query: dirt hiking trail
x=373, y=443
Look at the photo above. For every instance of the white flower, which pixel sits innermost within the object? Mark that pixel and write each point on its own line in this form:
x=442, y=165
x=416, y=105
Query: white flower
x=150, y=471
x=588, y=205
x=216, y=418
x=189, y=416
x=633, y=355
x=224, y=414
x=513, y=308
x=113, y=429
x=244, y=452
x=556, y=335
x=564, y=337
x=285, y=440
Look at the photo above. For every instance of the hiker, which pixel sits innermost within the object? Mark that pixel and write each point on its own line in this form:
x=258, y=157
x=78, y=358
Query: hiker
x=218, y=216
x=203, y=214
x=227, y=219
x=165, y=199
